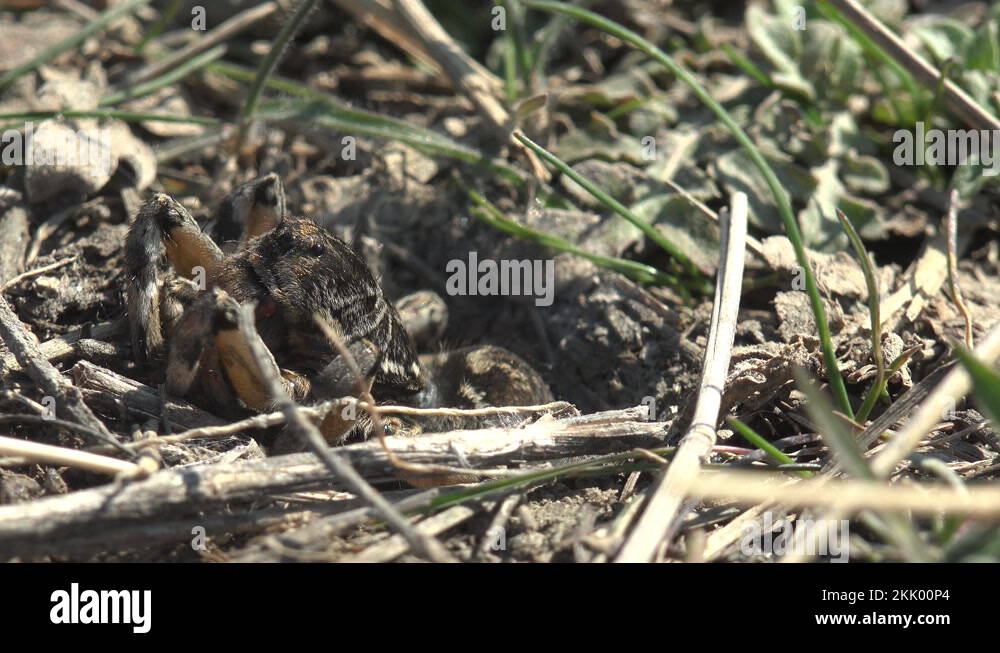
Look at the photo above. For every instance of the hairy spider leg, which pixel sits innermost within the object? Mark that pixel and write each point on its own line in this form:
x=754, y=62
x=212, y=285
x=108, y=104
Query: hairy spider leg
x=162, y=227
x=250, y=210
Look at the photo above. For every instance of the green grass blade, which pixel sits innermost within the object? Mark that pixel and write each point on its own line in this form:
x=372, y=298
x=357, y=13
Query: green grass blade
x=875, y=318
x=509, y=68
x=168, y=78
x=518, y=41
x=878, y=390
x=270, y=61
x=747, y=66
x=160, y=24
x=607, y=464
x=641, y=272
x=757, y=440
x=365, y=123
x=898, y=528
x=128, y=116
x=938, y=98
x=611, y=203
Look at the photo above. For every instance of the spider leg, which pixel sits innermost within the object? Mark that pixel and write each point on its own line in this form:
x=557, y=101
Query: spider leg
x=162, y=226
x=249, y=210
x=337, y=379
x=212, y=340
x=232, y=340
x=193, y=335
x=211, y=345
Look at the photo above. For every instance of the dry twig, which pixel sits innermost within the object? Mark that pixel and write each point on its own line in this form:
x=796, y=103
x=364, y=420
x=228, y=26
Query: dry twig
x=311, y=541
x=850, y=496
x=110, y=391
x=36, y=452
x=956, y=289
x=457, y=65
x=60, y=347
x=662, y=508
x=45, y=525
x=37, y=271
x=68, y=399
x=395, y=546
x=957, y=99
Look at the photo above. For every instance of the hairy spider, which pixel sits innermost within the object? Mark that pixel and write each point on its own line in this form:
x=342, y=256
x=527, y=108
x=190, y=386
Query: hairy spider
x=183, y=295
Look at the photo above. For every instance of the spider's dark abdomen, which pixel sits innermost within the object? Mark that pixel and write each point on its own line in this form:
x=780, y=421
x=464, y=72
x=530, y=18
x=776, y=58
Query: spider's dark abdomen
x=298, y=270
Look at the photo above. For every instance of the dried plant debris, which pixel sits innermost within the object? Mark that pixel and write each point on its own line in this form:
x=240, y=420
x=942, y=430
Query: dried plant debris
x=508, y=273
